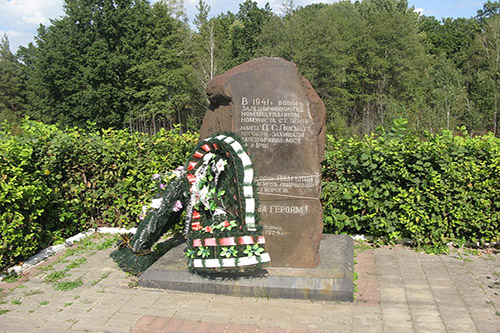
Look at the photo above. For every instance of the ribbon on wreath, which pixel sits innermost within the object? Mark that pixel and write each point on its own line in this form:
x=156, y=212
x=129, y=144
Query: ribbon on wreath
x=124, y=242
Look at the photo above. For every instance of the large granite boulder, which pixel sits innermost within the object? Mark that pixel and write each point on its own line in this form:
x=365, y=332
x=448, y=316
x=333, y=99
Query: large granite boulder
x=282, y=120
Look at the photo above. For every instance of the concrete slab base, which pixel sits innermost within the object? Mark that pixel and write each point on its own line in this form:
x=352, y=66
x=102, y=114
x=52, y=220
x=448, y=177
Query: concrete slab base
x=330, y=281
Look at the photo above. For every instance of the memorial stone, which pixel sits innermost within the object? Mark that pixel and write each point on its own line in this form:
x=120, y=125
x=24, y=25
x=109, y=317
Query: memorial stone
x=282, y=120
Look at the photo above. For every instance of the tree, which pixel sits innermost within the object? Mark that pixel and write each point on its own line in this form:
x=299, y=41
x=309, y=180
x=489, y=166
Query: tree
x=246, y=29
x=201, y=17
x=163, y=89
x=11, y=84
x=176, y=8
x=288, y=7
x=79, y=68
x=487, y=89
x=490, y=8
x=448, y=96
x=204, y=42
x=452, y=37
x=391, y=56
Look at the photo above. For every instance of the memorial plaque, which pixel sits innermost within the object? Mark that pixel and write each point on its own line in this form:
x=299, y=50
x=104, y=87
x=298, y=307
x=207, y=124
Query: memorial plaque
x=282, y=120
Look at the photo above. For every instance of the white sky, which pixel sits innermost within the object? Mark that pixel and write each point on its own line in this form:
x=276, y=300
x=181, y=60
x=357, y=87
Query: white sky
x=19, y=19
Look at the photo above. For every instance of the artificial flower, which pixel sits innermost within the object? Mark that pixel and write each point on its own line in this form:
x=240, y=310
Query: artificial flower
x=156, y=203
x=219, y=211
x=204, y=252
x=143, y=212
x=253, y=250
x=190, y=253
x=178, y=171
x=228, y=252
x=219, y=166
x=177, y=206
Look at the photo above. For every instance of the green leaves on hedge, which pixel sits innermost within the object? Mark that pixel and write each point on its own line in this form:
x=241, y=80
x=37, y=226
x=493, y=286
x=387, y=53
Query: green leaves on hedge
x=56, y=183
x=394, y=184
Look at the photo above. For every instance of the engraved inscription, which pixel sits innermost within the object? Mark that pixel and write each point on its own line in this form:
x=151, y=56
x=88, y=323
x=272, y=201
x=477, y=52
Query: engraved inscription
x=273, y=230
x=266, y=122
x=286, y=184
x=284, y=209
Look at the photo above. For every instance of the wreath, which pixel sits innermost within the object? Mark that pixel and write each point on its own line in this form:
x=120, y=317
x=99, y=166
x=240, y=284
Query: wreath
x=217, y=192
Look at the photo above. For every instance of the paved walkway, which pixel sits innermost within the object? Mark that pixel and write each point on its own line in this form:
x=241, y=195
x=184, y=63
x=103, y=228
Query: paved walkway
x=400, y=290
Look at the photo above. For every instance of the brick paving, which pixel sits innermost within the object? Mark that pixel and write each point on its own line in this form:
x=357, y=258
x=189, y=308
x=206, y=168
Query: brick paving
x=399, y=290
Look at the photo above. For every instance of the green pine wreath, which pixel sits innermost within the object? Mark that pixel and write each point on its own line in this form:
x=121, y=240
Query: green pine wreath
x=222, y=218
x=216, y=189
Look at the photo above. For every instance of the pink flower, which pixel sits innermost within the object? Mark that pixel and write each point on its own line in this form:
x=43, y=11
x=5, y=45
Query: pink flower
x=156, y=176
x=177, y=206
x=162, y=186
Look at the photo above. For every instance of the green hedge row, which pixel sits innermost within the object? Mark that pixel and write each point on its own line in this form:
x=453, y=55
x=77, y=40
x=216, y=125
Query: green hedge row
x=390, y=185
x=396, y=185
x=56, y=183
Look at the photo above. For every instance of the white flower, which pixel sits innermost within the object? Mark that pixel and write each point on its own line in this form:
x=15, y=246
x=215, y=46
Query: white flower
x=156, y=203
x=144, y=211
x=219, y=211
x=204, y=193
x=220, y=165
x=178, y=171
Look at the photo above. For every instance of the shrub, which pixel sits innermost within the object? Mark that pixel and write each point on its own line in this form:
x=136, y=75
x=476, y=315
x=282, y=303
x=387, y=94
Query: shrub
x=393, y=185
x=56, y=183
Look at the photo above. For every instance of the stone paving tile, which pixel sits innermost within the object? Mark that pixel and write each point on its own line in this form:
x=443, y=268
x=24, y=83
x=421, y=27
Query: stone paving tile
x=400, y=290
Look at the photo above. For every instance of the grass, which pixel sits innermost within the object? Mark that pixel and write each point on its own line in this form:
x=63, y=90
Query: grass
x=76, y=263
x=3, y=311
x=43, y=303
x=107, y=243
x=88, y=244
x=55, y=276
x=12, y=277
x=16, y=302
x=105, y=275
x=69, y=285
x=361, y=246
x=47, y=268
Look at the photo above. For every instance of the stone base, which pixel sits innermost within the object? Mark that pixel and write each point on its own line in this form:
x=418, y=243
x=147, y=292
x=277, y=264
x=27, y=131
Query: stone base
x=330, y=281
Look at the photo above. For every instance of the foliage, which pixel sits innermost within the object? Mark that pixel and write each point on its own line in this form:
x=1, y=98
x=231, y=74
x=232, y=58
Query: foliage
x=162, y=88
x=137, y=63
x=393, y=185
x=371, y=55
x=56, y=183
x=106, y=61
x=68, y=285
x=11, y=84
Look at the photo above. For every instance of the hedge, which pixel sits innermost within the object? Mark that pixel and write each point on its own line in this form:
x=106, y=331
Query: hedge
x=393, y=184
x=56, y=183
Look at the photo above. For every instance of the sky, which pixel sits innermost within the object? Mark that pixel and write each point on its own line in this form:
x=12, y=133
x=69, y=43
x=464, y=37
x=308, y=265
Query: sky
x=19, y=19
